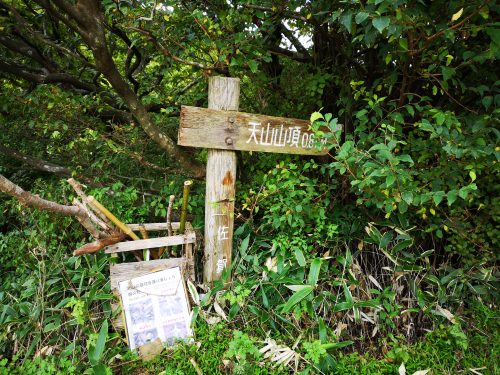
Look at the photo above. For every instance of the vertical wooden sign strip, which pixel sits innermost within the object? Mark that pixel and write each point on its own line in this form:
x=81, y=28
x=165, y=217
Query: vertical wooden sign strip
x=223, y=94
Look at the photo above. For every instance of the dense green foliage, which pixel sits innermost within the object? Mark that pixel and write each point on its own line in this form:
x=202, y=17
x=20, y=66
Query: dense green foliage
x=393, y=234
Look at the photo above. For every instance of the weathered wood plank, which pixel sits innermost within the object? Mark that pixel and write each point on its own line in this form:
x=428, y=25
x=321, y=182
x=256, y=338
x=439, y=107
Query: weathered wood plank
x=151, y=227
x=151, y=243
x=126, y=271
x=231, y=130
x=223, y=94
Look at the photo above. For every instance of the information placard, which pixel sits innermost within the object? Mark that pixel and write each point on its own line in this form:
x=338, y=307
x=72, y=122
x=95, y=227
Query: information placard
x=156, y=306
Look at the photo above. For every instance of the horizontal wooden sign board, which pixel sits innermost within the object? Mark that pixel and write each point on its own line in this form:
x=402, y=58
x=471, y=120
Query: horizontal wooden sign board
x=231, y=130
x=151, y=243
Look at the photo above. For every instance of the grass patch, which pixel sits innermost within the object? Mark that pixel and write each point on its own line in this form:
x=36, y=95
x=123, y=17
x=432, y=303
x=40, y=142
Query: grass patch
x=218, y=349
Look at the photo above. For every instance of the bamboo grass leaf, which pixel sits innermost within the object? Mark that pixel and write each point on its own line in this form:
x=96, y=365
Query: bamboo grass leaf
x=297, y=297
x=314, y=271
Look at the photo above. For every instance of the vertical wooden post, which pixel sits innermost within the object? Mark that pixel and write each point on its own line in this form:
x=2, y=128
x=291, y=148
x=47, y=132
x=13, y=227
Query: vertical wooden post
x=223, y=94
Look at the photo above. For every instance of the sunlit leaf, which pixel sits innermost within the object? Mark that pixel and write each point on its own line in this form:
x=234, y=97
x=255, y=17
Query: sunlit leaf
x=457, y=15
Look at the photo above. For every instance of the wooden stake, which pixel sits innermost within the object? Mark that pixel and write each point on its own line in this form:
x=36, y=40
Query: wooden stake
x=146, y=254
x=224, y=94
x=185, y=199
x=169, y=215
x=170, y=231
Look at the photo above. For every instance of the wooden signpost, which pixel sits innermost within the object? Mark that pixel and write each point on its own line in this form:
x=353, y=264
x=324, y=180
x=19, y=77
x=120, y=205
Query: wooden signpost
x=223, y=130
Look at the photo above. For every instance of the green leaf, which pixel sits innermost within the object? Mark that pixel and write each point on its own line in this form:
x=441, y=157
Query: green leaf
x=403, y=207
x=384, y=155
x=342, y=306
x=195, y=297
x=407, y=196
x=244, y=246
x=381, y=23
x=316, y=116
x=438, y=197
x=405, y=158
x=389, y=180
x=95, y=352
x=265, y=300
x=426, y=126
x=233, y=311
x=486, y=101
x=337, y=345
x=401, y=245
x=348, y=295
x=494, y=33
x=297, y=297
x=472, y=175
x=299, y=255
x=100, y=369
x=360, y=17
x=385, y=240
x=252, y=64
x=346, y=21
x=322, y=330
x=440, y=117
x=314, y=271
x=452, y=196
x=447, y=72
x=379, y=146
x=463, y=193
x=371, y=303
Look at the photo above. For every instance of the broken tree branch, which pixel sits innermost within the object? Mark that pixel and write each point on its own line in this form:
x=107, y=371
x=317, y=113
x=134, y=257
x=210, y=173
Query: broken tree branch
x=100, y=219
x=28, y=199
x=99, y=244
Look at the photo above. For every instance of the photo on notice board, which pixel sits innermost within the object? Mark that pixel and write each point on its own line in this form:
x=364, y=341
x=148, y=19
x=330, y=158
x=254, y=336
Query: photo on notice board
x=156, y=306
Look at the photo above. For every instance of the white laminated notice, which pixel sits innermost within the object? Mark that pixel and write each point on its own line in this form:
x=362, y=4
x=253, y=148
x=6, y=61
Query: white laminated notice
x=156, y=306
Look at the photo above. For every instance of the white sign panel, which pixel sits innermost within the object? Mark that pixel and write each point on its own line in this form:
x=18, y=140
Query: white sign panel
x=156, y=306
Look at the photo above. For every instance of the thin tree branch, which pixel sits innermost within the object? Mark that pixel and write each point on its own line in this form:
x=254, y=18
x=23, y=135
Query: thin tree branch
x=28, y=199
x=38, y=164
x=40, y=77
x=287, y=13
x=294, y=40
x=430, y=38
x=21, y=47
x=42, y=165
x=133, y=51
x=291, y=54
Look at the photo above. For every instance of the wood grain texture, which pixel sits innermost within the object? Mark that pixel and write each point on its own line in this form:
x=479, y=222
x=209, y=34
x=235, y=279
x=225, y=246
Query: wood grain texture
x=223, y=94
x=151, y=243
x=126, y=271
x=152, y=227
x=231, y=130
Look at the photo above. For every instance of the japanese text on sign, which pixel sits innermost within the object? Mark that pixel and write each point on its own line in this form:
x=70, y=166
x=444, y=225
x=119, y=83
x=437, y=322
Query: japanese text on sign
x=280, y=136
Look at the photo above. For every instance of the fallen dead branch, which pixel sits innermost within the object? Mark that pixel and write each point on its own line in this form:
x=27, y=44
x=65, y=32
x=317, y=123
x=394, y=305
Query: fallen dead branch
x=99, y=244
